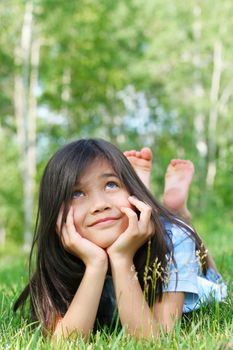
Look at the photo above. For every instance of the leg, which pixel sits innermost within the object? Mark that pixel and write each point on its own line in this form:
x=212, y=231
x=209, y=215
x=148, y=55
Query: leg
x=177, y=182
x=141, y=161
x=177, y=179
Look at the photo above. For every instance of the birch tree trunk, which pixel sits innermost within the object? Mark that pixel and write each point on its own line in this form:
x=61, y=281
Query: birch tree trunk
x=25, y=103
x=198, y=91
x=213, y=115
x=31, y=143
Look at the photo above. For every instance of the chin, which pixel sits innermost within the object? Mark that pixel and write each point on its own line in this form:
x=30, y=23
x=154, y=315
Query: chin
x=106, y=244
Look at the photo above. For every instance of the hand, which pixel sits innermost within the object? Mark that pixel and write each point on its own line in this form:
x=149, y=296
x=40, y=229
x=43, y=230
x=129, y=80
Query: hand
x=74, y=243
x=136, y=234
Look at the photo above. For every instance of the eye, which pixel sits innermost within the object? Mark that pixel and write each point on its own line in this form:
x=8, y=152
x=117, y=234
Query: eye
x=111, y=185
x=77, y=194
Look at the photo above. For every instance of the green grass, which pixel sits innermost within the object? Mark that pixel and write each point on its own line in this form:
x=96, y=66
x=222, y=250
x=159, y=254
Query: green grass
x=211, y=328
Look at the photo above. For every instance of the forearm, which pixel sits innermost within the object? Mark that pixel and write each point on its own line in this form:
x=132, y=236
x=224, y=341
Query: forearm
x=81, y=314
x=134, y=311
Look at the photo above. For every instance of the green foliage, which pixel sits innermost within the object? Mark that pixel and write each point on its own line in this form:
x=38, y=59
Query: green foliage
x=10, y=188
x=136, y=73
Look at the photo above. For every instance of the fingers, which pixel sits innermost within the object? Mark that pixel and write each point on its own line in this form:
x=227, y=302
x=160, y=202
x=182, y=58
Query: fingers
x=69, y=218
x=70, y=221
x=133, y=219
x=144, y=222
x=68, y=233
x=59, y=220
x=145, y=209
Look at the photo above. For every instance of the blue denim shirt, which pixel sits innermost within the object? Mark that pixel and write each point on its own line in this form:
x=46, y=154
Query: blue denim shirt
x=186, y=276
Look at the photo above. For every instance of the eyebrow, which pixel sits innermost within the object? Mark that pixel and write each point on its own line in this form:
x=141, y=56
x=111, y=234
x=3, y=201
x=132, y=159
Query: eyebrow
x=109, y=175
x=104, y=176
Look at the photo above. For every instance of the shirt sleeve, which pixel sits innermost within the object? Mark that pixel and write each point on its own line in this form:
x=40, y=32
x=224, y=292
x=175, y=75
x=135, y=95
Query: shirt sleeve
x=182, y=273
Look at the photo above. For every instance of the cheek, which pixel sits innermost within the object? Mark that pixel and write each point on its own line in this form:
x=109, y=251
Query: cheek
x=127, y=204
x=125, y=223
x=124, y=202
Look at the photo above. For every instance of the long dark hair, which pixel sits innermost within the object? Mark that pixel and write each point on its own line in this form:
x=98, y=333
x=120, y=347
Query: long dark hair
x=54, y=280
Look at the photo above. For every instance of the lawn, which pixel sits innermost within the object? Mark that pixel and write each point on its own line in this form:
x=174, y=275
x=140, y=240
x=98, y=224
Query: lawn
x=211, y=328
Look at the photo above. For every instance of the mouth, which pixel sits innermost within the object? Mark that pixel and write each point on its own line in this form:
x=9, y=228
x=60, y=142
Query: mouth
x=104, y=222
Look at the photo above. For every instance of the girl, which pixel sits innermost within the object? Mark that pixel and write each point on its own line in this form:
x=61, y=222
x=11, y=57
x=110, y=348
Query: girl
x=104, y=244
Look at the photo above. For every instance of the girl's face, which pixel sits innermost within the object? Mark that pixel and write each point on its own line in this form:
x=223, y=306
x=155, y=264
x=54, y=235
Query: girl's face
x=97, y=201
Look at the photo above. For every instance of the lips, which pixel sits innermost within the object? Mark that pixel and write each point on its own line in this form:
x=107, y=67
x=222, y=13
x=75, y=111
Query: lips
x=107, y=220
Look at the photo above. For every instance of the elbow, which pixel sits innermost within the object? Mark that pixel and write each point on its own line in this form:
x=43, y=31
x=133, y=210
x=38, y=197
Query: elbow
x=63, y=332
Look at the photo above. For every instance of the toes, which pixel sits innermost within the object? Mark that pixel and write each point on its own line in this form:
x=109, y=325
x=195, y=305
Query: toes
x=146, y=153
x=175, y=162
x=184, y=162
x=130, y=153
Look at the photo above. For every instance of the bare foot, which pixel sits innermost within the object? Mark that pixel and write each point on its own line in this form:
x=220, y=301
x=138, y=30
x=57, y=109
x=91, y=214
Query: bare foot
x=141, y=161
x=177, y=181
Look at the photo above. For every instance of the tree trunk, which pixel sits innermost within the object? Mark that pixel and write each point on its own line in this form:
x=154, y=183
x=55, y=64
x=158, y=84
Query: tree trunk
x=213, y=115
x=31, y=144
x=25, y=102
x=198, y=93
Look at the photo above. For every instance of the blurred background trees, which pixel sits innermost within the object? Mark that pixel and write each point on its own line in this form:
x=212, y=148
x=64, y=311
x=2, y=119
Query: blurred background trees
x=156, y=73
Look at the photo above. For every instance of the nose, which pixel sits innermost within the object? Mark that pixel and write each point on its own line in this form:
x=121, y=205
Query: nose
x=99, y=203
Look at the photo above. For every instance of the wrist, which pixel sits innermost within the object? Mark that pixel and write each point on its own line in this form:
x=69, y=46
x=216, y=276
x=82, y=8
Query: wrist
x=124, y=267
x=100, y=264
x=97, y=269
x=120, y=261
